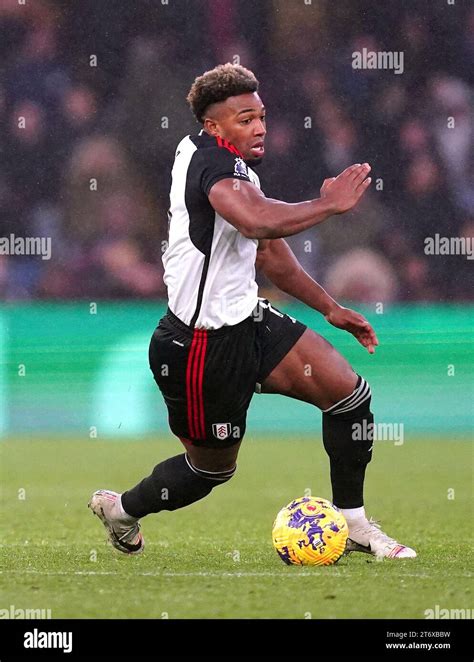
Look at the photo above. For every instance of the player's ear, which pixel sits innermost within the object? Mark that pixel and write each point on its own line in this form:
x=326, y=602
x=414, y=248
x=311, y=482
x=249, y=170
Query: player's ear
x=210, y=126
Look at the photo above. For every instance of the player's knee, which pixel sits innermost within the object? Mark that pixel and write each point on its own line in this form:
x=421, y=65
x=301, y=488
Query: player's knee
x=355, y=405
x=218, y=462
x=215, y=477
x=348, y=427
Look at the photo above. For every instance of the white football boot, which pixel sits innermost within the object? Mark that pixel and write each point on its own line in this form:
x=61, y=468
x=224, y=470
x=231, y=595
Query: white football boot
x=366, y=536
x=123, y=532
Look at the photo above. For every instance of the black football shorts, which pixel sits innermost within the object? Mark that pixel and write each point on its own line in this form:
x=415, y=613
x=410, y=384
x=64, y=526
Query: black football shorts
x=208, y=377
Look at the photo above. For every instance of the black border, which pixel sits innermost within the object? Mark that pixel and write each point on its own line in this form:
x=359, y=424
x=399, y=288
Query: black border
x=293, y=639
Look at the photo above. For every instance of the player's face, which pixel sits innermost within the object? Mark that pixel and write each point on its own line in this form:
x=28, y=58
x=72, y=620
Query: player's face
x=241, y=121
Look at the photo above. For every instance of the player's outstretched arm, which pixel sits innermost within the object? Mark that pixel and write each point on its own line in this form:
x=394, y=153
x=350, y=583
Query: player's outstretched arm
x=279, y=264
x=244, y=206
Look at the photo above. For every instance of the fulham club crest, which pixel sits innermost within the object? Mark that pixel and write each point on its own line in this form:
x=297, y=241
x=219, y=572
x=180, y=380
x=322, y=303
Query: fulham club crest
x=221, y=430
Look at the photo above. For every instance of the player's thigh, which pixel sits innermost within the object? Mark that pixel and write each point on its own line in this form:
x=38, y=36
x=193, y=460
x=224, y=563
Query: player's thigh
x=228, y=384
x=207, y=381
x=313, y=371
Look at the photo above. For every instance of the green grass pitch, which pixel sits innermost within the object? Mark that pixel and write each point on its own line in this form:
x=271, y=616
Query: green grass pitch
x=215, y=558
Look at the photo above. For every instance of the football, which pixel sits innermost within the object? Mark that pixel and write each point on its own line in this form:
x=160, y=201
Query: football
x=310, y=531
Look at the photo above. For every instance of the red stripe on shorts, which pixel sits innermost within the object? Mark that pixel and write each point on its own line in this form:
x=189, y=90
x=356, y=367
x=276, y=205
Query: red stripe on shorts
x=200, y=394
x=194, y=381
x=189, y=399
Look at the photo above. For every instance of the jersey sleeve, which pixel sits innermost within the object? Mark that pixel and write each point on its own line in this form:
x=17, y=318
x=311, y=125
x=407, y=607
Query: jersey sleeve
x=219, y=163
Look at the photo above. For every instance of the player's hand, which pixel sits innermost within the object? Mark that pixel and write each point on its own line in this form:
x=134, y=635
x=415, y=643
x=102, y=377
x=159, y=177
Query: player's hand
x=344, y=191
x=355, y=323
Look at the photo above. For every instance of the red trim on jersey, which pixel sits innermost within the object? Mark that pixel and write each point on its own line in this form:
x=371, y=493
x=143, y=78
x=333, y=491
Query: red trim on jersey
x=194, y=380
x=222, y=142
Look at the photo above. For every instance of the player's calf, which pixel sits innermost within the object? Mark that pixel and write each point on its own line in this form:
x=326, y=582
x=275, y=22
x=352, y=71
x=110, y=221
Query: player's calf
x=348, y=455
x=175, y=483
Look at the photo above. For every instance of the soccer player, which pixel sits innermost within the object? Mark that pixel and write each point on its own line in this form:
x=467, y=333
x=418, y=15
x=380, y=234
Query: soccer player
x=219, y=342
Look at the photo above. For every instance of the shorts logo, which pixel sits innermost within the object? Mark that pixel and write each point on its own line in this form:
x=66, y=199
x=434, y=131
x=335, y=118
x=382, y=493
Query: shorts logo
x=221, y=430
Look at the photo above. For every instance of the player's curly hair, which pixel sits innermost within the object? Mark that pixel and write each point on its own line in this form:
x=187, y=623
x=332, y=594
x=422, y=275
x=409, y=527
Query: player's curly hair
x=225, y=80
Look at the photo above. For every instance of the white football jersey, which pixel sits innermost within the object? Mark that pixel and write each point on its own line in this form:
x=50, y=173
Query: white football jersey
x=209, y=265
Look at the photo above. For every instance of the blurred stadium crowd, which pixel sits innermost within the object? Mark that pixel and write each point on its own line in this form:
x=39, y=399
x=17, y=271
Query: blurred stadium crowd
x=101, y=87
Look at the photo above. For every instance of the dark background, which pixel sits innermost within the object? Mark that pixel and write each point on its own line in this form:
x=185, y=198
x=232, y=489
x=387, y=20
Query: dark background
x=119, y=123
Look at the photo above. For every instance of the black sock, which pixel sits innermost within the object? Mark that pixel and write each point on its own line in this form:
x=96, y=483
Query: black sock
x=348, y=439
x=173, y=484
